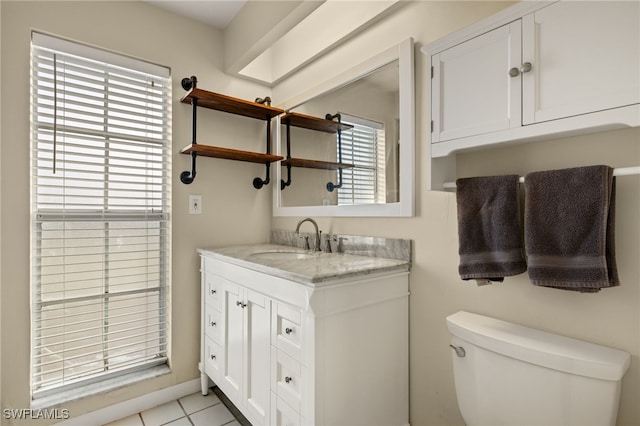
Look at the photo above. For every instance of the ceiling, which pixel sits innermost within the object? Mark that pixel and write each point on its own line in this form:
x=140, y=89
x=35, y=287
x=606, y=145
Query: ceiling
x=217, y=13
x=263, y=43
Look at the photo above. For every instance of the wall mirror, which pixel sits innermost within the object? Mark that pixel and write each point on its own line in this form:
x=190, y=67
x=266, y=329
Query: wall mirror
x=367, y=167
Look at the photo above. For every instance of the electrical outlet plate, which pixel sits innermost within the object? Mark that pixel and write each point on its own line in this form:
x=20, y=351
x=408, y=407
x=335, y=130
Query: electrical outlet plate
x=195, y=204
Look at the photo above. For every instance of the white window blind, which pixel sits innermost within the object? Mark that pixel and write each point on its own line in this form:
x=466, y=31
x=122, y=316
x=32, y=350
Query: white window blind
x=364, y=147
x=100, y=206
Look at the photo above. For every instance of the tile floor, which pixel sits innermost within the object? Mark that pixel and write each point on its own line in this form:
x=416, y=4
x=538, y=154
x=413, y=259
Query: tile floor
x=192, y=410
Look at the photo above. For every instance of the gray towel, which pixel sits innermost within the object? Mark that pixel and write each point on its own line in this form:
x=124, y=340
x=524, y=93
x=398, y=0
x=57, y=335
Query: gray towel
x=569, y=228
x=489, y=230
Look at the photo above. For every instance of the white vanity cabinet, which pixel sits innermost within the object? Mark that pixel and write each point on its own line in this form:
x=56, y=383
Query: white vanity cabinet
x=212, y=326
x=245, y=368
x=536, y=69
x=295, y=353
x=235, y=342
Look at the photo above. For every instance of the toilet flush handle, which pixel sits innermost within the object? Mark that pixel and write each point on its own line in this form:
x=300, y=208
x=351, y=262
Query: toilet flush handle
x=459, y=350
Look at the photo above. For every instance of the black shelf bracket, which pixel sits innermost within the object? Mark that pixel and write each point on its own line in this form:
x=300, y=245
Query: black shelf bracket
x=283, y=183
x=259, y=182
x=330, y=185
x=189, y=83
x=264, y=101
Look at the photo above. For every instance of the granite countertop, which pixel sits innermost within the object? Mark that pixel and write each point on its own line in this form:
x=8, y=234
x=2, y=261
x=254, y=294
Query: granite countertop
x=303, y=266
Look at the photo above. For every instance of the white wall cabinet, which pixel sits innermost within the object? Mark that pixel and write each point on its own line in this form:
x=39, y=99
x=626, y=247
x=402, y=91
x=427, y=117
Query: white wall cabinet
x=586, y=56
x=535, y=71
x=287, y=353
x=471, y=93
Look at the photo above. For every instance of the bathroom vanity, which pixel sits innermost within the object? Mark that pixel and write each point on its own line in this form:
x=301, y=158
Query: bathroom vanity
x=298, y=337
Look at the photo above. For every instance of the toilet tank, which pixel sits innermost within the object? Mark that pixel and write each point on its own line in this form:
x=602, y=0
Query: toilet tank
x=514, y=375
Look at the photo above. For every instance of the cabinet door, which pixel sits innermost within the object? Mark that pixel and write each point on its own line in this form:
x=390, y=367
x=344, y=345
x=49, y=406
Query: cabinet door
x=472, y=90
x=257, y=311
x=212, y=355
x=233, y=316
x=585, y=57
x=287, y=378
x=282, y=414
x=287, y=330
x=212, y=288
x=212, y=325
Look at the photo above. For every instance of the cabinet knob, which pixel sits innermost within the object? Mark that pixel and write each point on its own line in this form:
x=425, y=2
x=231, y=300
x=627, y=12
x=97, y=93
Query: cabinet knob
x=288, y=330
x=213, y=292
x=213, y=357
x=242, y=305
x=526, y=67
x=213, y=324
x=288, y=379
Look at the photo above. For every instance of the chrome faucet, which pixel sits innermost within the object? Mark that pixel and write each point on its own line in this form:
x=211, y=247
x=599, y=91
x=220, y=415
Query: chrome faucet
x=308, y=219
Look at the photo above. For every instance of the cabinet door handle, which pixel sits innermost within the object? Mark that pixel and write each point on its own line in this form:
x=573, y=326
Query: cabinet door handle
x=514, y=72
x=288, y=330
x=242, y=305
x=526, y=67
x=288, y=379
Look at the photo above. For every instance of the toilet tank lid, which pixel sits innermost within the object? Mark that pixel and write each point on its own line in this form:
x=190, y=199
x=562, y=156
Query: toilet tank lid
x=538, y=347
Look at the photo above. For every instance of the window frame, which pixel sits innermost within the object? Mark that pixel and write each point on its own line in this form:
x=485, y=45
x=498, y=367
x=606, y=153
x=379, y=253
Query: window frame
x=131, y=211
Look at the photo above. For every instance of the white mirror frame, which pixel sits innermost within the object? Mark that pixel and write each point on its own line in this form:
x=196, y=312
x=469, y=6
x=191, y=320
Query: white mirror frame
x=403, y=52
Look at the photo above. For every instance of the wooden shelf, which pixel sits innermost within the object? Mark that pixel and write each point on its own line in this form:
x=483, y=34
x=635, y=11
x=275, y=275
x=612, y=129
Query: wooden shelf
x=232, y=105
x=315, y=164
x=230, y=154
x=313, y=123
x=304, y=121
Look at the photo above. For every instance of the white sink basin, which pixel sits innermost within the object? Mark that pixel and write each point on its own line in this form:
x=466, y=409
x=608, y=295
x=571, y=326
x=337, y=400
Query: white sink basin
x=281, y=255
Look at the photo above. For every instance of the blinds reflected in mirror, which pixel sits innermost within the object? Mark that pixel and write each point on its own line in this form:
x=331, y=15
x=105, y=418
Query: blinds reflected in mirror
x=364, y=147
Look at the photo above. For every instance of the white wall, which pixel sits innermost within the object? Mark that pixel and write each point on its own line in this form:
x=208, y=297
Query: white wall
x=234, y=212
x=611, y=317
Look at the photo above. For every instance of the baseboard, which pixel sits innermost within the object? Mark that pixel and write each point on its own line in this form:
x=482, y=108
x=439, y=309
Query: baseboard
x=133, y=406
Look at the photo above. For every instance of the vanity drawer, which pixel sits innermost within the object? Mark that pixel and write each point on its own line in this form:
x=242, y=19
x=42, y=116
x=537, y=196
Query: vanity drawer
x=287, y=330
x=212, y=324
x=213, y=290
x=212, y=358
x=286, y=378
x=282, y=414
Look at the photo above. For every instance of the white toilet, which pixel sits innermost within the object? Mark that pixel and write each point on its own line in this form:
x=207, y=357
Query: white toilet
x=506, y=374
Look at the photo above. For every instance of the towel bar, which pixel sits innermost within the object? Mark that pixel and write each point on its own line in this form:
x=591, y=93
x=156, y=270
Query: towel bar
x=621, y=171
